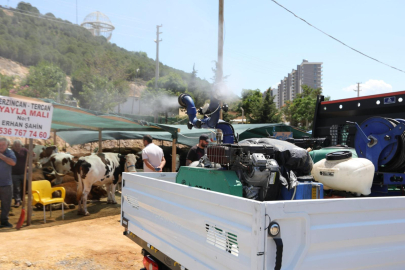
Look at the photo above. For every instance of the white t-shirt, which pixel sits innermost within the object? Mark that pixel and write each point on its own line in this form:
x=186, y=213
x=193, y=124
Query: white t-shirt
x=153, y=154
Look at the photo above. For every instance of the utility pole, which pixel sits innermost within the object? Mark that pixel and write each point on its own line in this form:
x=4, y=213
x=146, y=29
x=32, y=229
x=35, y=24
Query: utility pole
x=358, y=89
x=58, y=99
x=157, y=55
x=157, y=60
x=220, y=73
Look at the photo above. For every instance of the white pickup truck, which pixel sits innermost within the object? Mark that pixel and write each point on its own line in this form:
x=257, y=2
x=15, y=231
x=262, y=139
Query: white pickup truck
x=182, y=227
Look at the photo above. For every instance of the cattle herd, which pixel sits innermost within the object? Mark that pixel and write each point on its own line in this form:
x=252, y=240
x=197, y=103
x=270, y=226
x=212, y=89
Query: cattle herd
x=83, y=178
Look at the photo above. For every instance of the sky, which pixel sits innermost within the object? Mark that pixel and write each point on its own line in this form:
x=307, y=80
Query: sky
x=263, y=42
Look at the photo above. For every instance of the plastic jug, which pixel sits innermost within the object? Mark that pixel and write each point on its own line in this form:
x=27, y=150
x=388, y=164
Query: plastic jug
x=340, y=171
x=320, y=154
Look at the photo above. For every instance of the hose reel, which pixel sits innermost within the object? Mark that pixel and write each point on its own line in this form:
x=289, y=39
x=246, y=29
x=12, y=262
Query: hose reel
x=382, y=140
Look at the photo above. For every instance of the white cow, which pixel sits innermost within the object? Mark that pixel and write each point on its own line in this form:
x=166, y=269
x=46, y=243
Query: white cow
x=61, y=164
x=100, y=169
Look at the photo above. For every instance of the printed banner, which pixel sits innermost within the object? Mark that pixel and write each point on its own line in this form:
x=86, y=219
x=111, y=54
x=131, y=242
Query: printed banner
x=282, y=135
x=21, y=118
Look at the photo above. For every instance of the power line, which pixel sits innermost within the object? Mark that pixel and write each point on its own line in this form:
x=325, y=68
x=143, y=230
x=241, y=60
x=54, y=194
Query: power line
x=48, y=18
x=38, y=17
x=372, y=58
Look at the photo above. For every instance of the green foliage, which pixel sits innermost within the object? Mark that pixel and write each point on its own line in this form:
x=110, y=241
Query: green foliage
x=101, y=94
x=46, y=79
x=258, y=109
x=251, y=104
x=27, y=7
x=268, y=110
x=172, y=83
x=300, y=112
x=6, y=84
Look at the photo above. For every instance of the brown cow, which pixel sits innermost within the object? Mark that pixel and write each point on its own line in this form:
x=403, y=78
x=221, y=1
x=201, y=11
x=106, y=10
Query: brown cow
x=70, y=186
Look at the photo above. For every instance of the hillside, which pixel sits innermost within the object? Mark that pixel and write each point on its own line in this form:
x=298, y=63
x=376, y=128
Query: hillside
x=100, y=72
x=29, y=37
x=12, y=68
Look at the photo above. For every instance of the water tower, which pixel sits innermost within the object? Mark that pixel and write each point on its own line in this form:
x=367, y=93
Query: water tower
x=98, y=24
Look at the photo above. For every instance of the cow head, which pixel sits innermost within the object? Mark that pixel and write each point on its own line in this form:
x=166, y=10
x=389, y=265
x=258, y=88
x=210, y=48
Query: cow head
x=61, y=163
x=130, y=161
x=45, y=152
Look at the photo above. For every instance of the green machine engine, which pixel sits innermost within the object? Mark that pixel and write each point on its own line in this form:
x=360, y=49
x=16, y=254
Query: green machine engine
x=241, y=170
x=210, y=179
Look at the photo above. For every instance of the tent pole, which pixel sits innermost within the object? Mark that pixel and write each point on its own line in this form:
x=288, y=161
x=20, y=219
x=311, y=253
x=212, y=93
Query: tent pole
x=174, y=155
x=54, y=137
x=100, y=140
x=29, y=202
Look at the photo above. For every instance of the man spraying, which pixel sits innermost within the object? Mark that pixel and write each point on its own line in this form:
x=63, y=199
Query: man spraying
x=152, y=156
x=198, y=151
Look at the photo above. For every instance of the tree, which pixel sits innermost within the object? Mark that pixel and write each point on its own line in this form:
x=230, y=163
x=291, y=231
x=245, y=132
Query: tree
x=100, y=94
x=286, y=111
x=172, y=83
x=47, y=79
x=192, y=84
x=198, y=89
x=7, y=83
x=251, y=104
x=301, y=111
x=268, y=110
x=22, y=6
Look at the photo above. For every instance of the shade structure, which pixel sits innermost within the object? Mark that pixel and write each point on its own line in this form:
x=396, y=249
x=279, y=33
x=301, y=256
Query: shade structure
x=69, y=118
x=184, y=135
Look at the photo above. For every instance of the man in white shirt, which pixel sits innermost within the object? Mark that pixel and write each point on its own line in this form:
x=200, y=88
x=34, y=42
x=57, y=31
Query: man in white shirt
x=152, y=156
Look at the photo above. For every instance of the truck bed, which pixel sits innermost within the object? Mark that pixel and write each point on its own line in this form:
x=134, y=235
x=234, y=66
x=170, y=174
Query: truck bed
x=201, y=229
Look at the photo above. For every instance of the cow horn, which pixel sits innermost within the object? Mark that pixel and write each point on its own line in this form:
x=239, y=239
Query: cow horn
x=59, y=174
x=56, y=172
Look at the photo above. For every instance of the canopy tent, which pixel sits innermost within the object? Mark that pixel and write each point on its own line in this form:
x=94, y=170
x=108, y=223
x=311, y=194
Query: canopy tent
x=184, y=136
x=247, y=131
x=70, y=119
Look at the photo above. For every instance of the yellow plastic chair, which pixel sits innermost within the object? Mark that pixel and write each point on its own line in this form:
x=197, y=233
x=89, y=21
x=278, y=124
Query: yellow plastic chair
x=42, y=193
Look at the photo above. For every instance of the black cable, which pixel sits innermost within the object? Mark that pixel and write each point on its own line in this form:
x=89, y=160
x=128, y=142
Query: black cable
x=336, y=38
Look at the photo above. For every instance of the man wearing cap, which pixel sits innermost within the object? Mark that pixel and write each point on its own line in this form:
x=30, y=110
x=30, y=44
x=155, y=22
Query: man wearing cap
x=152, y=156
x=197, y=151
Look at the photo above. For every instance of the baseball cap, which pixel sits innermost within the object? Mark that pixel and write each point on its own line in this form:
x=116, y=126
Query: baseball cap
x=204, y=138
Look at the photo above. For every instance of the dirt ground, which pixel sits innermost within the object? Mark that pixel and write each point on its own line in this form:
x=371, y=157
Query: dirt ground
x=92, y=242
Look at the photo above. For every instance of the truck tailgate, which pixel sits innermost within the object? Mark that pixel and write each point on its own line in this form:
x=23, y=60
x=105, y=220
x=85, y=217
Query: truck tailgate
x=358, y=233
x=199, y=229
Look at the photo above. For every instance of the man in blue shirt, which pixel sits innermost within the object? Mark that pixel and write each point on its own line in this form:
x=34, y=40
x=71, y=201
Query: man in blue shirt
x=7, y=160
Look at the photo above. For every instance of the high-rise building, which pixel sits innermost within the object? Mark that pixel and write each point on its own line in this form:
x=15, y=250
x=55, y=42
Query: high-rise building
x=307, y=73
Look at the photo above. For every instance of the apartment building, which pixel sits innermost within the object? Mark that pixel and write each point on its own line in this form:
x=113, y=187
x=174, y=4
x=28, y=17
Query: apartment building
x=307, y=73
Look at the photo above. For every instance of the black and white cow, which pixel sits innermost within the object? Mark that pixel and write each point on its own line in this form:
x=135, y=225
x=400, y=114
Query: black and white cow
x=61, y=164
x=43, y=154
x=100, y=169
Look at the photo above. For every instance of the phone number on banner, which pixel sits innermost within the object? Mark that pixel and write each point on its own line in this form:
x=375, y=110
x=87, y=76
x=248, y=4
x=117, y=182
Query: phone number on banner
x=23, y=132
